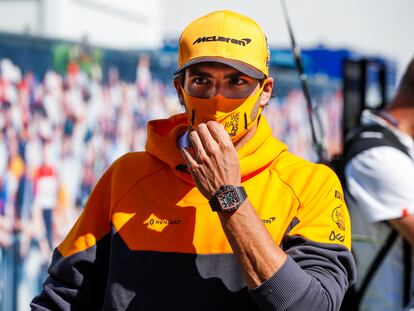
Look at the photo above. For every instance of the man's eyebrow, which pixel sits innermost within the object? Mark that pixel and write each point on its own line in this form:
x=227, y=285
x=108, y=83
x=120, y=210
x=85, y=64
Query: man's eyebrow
x=236, y=74
x=198, y=72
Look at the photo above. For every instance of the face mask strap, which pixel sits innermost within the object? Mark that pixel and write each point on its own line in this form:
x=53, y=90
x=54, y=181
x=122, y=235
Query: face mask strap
x=259, y=111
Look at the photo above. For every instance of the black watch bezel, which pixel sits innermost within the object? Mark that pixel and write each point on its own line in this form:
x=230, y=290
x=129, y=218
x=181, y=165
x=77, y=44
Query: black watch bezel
x=228, y=198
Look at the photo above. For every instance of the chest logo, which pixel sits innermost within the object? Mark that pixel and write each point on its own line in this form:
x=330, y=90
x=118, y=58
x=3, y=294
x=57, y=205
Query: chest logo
x=269, y=220
x=157, y=224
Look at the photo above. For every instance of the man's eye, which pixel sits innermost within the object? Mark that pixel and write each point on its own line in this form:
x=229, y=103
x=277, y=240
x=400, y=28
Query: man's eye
x=200, y=80
x=237, y=81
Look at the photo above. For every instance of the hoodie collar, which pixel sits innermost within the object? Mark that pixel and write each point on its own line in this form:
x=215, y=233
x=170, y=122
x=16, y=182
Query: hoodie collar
x=255, y=156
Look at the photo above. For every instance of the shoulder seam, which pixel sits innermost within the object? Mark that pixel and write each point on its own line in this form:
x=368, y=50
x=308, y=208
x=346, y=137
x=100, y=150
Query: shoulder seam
x=288, y=185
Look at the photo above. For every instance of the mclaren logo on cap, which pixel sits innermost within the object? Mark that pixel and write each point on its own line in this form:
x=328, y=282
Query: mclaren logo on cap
x=242, y=42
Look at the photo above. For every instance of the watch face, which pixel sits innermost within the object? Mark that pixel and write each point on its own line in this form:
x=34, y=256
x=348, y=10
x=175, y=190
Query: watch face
x=229, y=199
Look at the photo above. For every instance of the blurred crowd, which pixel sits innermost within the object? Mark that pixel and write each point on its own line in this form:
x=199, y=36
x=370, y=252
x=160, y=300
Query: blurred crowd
x=59, y=134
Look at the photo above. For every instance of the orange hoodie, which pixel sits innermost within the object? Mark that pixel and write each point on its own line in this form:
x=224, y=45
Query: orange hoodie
x=147, y=207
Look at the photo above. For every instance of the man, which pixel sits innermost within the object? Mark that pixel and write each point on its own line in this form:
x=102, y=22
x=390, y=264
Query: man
x=216, y=214
x=380, y=184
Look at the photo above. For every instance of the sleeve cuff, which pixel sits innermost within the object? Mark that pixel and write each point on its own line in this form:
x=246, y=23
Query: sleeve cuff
x=282, y=289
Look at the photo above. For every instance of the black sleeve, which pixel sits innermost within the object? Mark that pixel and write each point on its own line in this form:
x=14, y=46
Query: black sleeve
x=314, y=277
x=76, y=282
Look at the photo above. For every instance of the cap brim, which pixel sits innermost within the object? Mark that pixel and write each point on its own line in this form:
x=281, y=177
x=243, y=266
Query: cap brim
x=240, y=66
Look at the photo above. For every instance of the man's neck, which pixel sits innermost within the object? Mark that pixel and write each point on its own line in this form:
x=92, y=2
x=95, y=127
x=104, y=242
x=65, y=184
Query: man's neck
x=405, y=117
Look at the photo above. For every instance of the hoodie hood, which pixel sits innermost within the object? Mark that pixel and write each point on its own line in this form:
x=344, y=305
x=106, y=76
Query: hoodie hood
x=255, y=156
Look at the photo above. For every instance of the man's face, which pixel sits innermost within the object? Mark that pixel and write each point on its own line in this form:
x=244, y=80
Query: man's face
x=206, y=80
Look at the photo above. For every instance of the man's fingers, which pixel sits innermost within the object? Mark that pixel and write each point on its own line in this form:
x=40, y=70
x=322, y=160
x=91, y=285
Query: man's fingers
x=188, y=158
x=209, y=143
x=218, y=132
x=196, y=142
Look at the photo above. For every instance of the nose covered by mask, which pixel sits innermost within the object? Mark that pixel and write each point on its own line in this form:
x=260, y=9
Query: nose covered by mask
x=232, y=113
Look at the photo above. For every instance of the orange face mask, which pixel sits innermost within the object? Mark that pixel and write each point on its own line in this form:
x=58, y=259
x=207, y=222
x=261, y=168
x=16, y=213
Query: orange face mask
x=234, y=114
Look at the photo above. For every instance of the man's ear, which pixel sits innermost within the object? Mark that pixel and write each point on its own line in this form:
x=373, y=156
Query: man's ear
x=179, y=91
x=267, y=92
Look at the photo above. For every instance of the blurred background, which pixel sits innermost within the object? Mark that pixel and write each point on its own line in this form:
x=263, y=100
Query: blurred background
x=79, y=79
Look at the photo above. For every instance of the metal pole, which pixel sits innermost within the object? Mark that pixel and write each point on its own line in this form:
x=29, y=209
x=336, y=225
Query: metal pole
x=317, y=140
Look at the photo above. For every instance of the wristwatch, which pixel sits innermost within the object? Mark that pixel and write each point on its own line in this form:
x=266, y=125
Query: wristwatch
x=228, y=199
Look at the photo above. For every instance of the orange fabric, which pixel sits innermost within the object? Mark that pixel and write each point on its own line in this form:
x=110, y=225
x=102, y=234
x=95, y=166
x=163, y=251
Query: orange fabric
x=155, y=207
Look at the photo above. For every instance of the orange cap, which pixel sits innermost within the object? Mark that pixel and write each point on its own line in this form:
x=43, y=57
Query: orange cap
x=225, y=37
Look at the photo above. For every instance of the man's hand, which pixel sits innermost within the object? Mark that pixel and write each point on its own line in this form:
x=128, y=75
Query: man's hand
x=213, y=160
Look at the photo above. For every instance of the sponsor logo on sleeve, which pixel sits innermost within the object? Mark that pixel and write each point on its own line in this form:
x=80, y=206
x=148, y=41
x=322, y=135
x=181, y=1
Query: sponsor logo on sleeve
x=338, y=216
x=339, y=195
x=336, y=237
